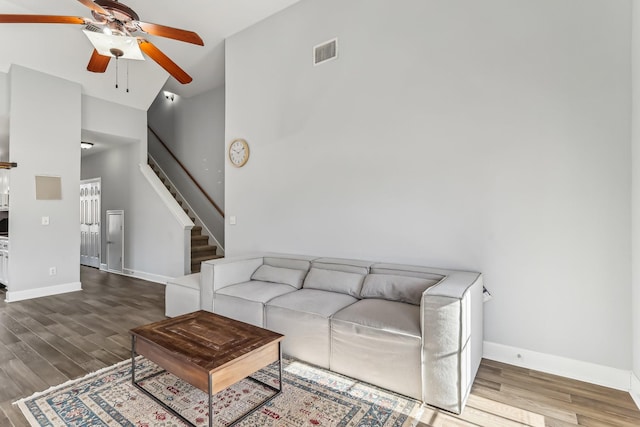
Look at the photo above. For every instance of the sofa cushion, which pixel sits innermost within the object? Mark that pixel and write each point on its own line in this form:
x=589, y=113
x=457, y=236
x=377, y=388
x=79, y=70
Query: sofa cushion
x=395, y=288
x=313, y=301
x=256, y=290
x=339, y=264
x=245, y=301
x=288, y=276
x=379, y=341
x=390, y=316
x=303, y=317
x=409, y=270
x=334, y=281
x=288, y=262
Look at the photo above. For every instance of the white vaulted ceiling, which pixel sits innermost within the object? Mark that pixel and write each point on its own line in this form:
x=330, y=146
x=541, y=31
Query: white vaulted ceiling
x=63, y=50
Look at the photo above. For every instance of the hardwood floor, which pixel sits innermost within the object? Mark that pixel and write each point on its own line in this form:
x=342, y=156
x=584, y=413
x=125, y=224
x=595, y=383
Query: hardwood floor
x=47, y=341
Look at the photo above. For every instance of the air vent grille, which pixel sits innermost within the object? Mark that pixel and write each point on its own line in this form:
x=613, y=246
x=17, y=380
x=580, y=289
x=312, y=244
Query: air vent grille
x=326, y=51
x=93, y=28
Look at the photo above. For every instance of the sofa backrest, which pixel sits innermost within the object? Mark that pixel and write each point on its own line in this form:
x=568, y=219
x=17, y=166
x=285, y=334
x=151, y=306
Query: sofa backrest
x=397, y=282
x=289, y=270
x=337, y=275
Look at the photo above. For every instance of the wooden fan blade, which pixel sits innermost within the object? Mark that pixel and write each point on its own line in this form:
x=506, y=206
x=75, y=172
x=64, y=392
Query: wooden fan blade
x=95, y=7
x=98, y=63
x=40, y=19
x=164, y=61
x=171, y=33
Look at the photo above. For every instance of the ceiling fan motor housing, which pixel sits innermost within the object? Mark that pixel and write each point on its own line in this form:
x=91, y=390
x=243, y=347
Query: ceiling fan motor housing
x=120, y=13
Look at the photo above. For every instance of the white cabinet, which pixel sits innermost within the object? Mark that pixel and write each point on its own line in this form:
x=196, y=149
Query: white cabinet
x=4, y=189
x=4, y=261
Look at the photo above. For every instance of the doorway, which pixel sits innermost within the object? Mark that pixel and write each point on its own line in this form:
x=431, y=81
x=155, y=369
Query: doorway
x=90, y=202
x=115, y=240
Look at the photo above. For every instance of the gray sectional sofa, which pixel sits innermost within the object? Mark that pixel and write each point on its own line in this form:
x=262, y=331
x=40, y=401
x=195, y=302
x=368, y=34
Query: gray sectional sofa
x=414, y=330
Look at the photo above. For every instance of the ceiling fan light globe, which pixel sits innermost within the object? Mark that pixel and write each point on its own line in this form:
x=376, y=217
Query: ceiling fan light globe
x=104, y=44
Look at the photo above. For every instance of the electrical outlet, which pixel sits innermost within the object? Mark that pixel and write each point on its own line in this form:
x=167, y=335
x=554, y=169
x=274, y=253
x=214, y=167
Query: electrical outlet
x=53, y=271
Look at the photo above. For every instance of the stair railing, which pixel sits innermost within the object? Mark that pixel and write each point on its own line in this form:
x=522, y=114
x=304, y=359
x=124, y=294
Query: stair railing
x=213, y=203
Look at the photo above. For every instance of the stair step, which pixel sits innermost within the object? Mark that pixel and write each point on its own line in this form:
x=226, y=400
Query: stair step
x=195, y=262
x=196, y=230
x=202, y=247
x=199, y=259
x=203, y=250
x=180, y=202
x=199, y=240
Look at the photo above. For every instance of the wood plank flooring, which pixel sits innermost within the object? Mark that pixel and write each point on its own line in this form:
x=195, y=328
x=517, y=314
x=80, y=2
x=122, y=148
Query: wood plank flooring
x=47, y=341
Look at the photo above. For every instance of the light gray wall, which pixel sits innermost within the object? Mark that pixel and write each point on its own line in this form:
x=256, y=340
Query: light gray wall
x=45, y=140
x=193, y=129
x=635, y=212
x=154, y=241
x=4, y=117
x=491, y=136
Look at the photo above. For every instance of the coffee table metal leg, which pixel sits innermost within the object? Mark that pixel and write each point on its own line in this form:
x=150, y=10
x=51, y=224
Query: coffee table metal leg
x=210, y=388
x=133, y=359
x=210, y=400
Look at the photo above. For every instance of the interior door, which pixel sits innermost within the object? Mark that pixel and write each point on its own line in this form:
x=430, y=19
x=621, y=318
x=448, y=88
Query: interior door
x=115, y=240
x=90, y=201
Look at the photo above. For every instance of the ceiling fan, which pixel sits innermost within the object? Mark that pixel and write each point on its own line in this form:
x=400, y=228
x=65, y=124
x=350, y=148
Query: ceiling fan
x=117, y=24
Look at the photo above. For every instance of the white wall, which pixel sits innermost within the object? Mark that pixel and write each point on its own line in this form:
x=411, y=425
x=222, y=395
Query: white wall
x=193, y=129
x=4, y=117
x=45, y=140
x=491, y=136
x=635, y=200
x=154, y=240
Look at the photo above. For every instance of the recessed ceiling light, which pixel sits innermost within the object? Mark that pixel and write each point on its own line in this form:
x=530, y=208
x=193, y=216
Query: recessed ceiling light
x=86, y=145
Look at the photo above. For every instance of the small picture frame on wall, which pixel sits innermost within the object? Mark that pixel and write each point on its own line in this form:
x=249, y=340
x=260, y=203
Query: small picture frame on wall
x=48, y=187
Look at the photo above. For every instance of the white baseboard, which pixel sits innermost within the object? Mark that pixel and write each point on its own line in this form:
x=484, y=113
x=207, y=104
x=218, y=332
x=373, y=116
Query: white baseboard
x=576, y=369
x=156, y=278
x=635, y=389
x=13, y=296
x=149, y=277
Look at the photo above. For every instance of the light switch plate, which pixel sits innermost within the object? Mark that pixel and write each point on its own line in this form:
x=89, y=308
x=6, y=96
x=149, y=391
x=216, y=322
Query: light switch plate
x=232, y=220
x=45, y=220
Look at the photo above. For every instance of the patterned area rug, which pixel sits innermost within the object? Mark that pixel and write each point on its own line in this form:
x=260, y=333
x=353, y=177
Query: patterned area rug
x=310, y=397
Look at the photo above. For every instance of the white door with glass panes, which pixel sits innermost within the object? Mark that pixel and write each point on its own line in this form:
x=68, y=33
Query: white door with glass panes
x=90, y=196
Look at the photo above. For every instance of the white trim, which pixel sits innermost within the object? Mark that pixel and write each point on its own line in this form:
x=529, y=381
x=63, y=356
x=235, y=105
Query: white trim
x=149, y=277
x=166, y=197
x=635, y=389
x=576, y=369
x=13, y=296
x=188, y=206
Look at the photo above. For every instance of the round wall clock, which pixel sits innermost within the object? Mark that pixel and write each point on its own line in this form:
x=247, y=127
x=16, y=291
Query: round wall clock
x=239, y=152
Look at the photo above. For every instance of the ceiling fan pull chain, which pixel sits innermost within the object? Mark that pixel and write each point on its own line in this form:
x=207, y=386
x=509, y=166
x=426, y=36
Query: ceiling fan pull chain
x=127, y=76
x=116, y=72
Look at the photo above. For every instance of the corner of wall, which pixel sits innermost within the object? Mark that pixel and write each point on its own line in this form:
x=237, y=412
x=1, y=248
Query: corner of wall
x=556, y=365
x=635, y=389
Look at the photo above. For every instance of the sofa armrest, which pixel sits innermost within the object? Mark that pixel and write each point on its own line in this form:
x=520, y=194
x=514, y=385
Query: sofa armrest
x=218, y=273
x=451, y=320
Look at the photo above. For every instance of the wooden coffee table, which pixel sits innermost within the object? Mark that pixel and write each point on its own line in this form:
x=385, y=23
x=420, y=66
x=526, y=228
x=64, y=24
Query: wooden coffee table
x=209, y=351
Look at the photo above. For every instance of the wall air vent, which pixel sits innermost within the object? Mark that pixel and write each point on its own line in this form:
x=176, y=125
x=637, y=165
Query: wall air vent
x=93, y=28
x=326, y=51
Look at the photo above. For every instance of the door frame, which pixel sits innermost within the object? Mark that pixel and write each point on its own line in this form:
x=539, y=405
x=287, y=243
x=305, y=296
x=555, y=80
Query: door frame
x=99, y=213
x=109, y=213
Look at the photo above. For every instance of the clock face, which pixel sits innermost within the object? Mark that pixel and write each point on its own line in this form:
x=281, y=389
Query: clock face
x=239, y=152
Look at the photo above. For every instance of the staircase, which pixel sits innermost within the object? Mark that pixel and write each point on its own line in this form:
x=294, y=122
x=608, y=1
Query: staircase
x=201, y=250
